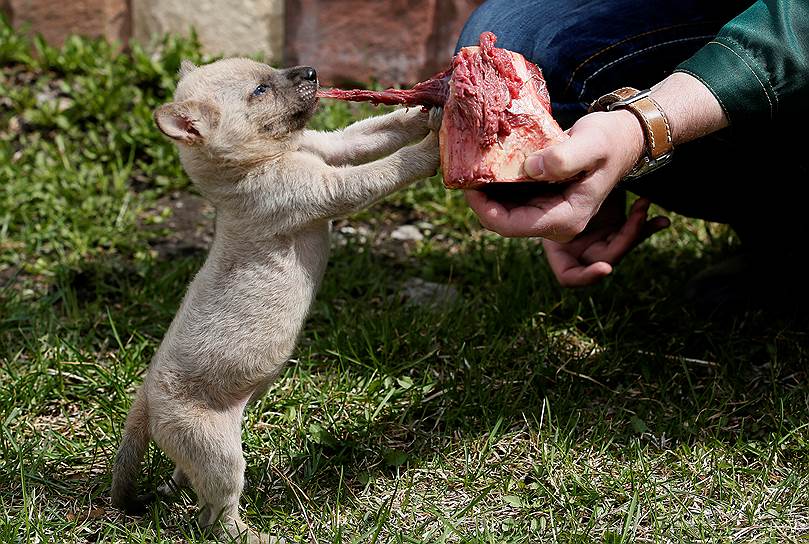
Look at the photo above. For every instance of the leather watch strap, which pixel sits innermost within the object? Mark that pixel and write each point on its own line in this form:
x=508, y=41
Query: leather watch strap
x=653, y=120
x=604, y=102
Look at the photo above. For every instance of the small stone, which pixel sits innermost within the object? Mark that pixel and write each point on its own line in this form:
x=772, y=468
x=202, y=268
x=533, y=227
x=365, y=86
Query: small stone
x=407, y=233
x=43, y=97
x=14, y=125
x=426, y=293
x=342, y=235
x=63, y=103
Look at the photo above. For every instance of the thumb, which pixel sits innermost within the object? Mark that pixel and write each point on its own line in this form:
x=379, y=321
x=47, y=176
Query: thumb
x=562, y=161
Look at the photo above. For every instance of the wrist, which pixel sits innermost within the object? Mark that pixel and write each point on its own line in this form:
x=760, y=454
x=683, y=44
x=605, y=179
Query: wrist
x=692, y=109
x=632, y=138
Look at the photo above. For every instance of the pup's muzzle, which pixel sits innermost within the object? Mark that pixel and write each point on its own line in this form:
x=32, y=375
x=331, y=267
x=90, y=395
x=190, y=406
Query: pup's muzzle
x=301, y=74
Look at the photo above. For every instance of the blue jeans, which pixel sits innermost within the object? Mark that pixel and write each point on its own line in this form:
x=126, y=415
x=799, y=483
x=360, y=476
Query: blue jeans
x=587, y=48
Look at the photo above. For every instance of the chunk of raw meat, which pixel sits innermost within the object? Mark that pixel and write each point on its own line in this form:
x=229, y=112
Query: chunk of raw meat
x=496, y=112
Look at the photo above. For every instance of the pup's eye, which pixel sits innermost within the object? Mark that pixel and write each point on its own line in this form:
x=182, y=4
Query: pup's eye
x=260, y=90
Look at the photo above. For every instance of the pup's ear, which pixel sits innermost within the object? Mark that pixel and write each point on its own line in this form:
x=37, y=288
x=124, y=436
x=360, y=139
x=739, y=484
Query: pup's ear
x=186, y=67
x=189, y=122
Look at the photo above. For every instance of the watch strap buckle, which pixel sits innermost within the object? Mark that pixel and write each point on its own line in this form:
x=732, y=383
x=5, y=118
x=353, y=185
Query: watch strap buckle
x=653, y=120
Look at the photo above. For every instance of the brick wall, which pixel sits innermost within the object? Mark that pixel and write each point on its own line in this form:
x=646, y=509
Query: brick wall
x=389, y=41
x=56, y=20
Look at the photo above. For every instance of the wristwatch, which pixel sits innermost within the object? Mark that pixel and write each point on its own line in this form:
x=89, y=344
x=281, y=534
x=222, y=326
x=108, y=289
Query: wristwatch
x=653, y=120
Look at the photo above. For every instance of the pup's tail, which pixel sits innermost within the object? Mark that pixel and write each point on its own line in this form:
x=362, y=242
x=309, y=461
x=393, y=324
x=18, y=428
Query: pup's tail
x=130, y=453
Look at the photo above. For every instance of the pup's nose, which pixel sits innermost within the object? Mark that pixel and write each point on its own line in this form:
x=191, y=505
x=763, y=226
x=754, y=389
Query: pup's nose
x=309, y=73
x=306, y=73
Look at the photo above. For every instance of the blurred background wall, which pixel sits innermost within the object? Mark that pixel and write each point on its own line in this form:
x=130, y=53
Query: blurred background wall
x=389, y=41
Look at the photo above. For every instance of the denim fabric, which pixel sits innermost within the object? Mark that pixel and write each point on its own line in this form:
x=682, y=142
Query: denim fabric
x=586, y=48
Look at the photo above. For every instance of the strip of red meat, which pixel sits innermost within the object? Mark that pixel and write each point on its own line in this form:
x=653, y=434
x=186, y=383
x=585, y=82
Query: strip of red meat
x=496, y=112
x=430, y=93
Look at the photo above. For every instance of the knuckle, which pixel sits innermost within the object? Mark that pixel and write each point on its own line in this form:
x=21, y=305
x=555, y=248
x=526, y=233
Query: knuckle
x=555, y=161
x=484, y=222
x=570, y=231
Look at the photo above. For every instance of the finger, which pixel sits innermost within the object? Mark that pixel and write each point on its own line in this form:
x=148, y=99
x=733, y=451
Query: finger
x=559, y=257
x=568, y=270
x=639, y=213
x=482, y=205
x=547, y=217
x=635, y=230
x=560, y=162
x=583, y=276
x=492, y=214
x=547, y=220
x=653, y=226
x=627, y=237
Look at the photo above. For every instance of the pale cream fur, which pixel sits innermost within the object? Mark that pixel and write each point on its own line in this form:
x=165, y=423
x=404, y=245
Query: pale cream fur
x=275, y=186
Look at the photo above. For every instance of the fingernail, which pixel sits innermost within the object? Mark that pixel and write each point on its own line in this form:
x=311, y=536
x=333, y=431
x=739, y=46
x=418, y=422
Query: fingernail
x=534, y=166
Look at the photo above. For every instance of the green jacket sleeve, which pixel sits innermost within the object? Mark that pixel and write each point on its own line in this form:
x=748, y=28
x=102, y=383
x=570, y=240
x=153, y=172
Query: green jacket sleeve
x=758, y=64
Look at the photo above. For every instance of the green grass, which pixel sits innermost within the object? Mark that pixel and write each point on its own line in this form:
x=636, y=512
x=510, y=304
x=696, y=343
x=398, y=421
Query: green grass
x=518, y=413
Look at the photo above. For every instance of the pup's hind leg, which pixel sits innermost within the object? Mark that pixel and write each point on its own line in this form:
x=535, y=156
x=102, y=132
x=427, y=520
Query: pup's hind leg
x=177, y=481
x=206, y=446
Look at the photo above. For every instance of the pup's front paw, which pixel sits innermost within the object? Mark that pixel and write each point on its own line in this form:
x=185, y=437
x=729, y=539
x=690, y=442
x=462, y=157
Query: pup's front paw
x=415, y=121
x=429, y=153
x=434, y=119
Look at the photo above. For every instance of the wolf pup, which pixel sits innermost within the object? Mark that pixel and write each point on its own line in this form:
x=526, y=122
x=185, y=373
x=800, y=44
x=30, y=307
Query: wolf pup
x=239, y=128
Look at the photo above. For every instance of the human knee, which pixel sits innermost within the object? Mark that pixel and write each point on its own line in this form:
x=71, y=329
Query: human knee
x=511, y=21
x=483, y=19
x=540, y=30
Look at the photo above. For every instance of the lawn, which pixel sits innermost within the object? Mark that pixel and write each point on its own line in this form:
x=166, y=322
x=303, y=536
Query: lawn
x=512, y=411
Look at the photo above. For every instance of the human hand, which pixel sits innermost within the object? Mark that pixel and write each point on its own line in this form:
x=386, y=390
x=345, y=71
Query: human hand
x=601, y=149
x=609, y=237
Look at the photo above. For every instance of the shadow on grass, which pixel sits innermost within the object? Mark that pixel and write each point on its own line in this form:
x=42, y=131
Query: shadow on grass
x=626, y=361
